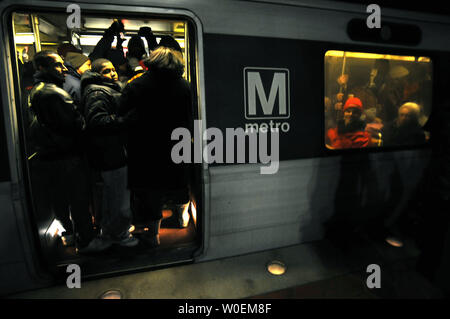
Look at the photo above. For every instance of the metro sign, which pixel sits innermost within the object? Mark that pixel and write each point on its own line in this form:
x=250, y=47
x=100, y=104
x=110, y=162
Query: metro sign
x=266, y=93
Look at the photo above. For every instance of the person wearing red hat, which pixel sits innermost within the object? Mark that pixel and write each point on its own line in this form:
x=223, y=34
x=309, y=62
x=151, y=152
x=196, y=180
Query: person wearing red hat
x=350, y=131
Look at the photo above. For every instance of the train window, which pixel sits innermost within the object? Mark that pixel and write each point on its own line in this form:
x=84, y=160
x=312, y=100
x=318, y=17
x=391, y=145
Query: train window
x=374, y=100
x=71, y=198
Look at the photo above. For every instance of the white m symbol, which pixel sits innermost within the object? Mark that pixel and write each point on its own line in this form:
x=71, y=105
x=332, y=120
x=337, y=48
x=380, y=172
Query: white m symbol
x=278, y=88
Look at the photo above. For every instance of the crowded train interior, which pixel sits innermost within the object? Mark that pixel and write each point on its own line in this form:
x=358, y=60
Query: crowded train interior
x=386, y=90
x=180, y=229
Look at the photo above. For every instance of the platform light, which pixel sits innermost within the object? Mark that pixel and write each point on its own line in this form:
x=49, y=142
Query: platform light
x=112, y=294
x=276, y=268
x=395, y=242
x=423, y=59
x=132, y=229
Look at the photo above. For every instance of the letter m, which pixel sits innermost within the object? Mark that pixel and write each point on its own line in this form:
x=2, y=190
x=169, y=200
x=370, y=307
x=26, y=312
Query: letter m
x=259, y=104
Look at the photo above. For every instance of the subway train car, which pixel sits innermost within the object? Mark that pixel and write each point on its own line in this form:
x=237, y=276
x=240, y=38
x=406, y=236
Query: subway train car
x=284, y=72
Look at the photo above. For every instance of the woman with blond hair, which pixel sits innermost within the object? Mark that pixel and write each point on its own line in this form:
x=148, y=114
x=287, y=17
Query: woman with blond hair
x=155, y=104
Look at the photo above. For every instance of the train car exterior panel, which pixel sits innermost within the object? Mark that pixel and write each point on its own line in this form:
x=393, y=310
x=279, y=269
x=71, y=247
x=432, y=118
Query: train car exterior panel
x=250, y=211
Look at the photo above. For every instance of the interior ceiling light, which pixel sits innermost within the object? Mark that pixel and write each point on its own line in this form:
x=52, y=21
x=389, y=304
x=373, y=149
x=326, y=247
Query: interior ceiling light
x=276, y=268
x=363, y=55
x=111, y=294
x=395, y=242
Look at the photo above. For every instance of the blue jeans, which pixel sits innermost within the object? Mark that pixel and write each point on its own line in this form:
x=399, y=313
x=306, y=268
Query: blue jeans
x=116, y=211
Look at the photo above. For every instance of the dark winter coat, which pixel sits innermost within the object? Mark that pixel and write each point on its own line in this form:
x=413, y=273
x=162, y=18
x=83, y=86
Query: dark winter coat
x=72, y=84
x=105, y=130
x=408, y=134
x=57, y=125
x=160, y=102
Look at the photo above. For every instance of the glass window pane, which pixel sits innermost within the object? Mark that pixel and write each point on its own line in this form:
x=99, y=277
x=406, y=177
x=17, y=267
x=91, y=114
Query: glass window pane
x=374, y=100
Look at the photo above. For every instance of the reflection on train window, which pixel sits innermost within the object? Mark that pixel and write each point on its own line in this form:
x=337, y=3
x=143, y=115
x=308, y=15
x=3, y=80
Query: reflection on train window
x=374, y=100
x=71, y=198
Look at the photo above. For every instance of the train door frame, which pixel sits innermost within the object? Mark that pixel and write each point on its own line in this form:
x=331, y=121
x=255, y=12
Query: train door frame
x=21, y=198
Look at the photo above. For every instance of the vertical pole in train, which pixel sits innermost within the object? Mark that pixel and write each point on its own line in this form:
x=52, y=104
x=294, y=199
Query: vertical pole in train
x=343, y=70
x=186, y=53
x=35, y=26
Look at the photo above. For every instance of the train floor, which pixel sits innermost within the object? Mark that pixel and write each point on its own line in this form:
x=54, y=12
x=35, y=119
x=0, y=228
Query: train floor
x=325, y=269
x=176, y=244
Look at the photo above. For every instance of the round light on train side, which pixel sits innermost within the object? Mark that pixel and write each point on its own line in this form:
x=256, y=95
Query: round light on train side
x=276, y=268
x=111, y=294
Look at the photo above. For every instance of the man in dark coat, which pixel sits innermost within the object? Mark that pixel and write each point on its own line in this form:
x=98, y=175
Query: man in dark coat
x=76, y=64
x=405, y=130
x=58, y=169
x=107, y=155
x=157, y=102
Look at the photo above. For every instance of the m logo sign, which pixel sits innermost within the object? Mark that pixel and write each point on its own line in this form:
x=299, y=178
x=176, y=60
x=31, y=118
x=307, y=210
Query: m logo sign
x=266, y=93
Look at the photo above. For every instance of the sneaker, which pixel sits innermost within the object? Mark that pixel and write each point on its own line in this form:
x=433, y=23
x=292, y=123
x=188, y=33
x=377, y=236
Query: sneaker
x=127, y=241
x=98, y=244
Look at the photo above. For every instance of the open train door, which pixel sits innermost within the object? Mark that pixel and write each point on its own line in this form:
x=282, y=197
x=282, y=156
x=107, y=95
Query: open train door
x=30, y=29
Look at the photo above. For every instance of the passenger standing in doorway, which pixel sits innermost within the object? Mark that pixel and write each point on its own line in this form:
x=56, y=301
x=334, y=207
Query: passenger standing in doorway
x=76, y=64
x=160, y=101
x=58, y=170
x=106, y=153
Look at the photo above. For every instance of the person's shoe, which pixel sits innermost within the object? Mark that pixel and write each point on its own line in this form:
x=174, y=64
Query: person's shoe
x=98, y=244
x=127, y=241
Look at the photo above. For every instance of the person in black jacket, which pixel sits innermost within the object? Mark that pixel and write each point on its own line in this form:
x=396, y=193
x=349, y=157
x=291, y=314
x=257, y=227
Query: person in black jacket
x=156, y=103
x=405, y=129
x=103, y=50
x=76, y=64
x=106, y=154
x=58, y=169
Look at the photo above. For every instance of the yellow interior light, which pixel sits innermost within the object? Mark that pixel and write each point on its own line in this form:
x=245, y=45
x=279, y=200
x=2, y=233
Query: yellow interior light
x=363, y=55
x=179, y=27
x=423, y=59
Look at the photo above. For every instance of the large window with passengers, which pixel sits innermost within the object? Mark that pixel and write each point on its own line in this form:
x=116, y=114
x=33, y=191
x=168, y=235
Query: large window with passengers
x=99, y=178
x=374, y=100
